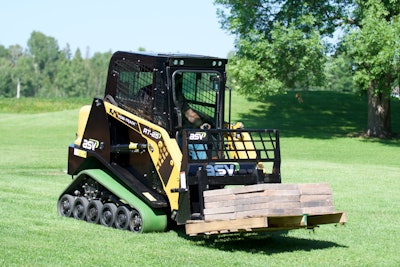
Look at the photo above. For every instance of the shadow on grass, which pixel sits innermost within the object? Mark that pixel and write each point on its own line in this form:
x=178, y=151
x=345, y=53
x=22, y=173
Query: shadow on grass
x=263, y=243
x=320, y=115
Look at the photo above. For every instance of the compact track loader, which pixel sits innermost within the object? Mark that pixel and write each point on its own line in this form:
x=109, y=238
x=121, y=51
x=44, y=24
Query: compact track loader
x=158, y=148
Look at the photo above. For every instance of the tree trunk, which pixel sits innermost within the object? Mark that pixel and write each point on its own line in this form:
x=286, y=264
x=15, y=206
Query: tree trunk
x=18, y=88
x=379, y=121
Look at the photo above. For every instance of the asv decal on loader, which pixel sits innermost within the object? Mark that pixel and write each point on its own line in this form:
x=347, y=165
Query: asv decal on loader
x=90, y=144
x=220, y=169
x=198, y=136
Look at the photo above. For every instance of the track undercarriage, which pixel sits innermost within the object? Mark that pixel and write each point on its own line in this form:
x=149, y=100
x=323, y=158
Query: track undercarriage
x=88, y=199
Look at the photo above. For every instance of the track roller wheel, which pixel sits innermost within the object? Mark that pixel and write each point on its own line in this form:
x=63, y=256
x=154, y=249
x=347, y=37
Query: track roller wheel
x=122, y=218
x=65, y=205
x=107, y=214
x=135, y=222
x=79, y=209
x=93, y=210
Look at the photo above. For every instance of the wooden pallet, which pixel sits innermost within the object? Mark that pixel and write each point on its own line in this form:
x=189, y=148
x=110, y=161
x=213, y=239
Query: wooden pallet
x=262, y=223
x=266, y=207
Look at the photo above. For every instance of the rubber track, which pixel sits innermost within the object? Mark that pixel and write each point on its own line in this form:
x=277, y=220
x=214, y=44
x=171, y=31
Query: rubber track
x=153, y=221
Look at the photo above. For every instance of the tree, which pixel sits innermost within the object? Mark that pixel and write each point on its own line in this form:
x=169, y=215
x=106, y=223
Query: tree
x=16, y=52
x=288, y=58
x=279, y=41
x=6, y=83
x=295, y=26
x=98, y=67
x=374, y=45
x=78, y=75
x=45, y=53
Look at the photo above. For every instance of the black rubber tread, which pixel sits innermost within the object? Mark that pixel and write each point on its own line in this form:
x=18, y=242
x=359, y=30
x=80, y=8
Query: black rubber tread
x=65, y=205
x=107, y=214
x=93, y=210
x=79, y=209
x=135, y=222
x=122, y=218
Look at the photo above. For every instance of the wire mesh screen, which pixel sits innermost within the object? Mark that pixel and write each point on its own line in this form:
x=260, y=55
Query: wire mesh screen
x=134, y=87
x=198, y=90
x=225, y=145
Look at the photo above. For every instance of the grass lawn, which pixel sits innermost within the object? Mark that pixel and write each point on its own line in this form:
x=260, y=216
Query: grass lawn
x=318, y=143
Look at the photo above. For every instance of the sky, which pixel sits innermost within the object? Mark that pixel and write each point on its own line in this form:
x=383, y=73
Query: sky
x=165, y=26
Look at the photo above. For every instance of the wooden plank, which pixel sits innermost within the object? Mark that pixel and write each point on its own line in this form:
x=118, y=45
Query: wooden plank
x=217, y=204
x=217, y=210
x=295, y=221
x=267, y=199
x=317, y=210
x=316, y=198
x=334, y=217
x=250, y=195
x=316, y=204
x=268, y=205
x=268, y=212
x=217, y=198
x=282, y=192
x=196, y=227
x=220, y=216
x=218, y=192
x=263, y=187
x=315, y=189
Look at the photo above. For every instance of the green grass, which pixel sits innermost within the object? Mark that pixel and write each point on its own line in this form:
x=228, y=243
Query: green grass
x=364, y=176
x=35, y=105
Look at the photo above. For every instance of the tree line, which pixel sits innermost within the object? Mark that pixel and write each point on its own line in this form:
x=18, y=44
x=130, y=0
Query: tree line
x=43, y=69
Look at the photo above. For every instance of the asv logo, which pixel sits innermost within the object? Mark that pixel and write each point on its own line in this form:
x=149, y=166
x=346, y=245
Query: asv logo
x=90, y=144
x=197, y=136
x=220, y=169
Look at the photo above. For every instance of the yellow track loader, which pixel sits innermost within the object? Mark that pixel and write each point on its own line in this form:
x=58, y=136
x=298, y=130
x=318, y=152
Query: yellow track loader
x=158, y=148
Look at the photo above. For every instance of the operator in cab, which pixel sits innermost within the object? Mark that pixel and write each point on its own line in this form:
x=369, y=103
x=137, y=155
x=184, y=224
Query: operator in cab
x=191, y=118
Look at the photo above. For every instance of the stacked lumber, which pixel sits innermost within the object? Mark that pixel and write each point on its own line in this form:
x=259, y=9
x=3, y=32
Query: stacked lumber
x=264, y=200
x=266, y=207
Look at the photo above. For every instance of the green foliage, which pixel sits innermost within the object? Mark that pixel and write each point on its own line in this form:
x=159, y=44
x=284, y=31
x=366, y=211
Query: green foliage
x=240, y=17
x=248, y=77
x=43, y=70
x=364, y=186
x=6, y=82
x=338, y=71
x=292, y=58
x=375, y=47
x=283, y=39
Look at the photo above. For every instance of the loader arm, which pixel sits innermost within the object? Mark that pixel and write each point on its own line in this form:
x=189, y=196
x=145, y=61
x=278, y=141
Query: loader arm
x=163, y=150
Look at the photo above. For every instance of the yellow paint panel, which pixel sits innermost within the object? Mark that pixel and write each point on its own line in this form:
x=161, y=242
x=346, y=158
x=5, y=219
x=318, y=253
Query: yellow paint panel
x=80, y=153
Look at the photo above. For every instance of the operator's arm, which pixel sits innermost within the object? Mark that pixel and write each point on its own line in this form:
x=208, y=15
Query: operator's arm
x=193, y=118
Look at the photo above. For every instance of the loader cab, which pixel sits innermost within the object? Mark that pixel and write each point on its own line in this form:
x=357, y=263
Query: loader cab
x=156, y=86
